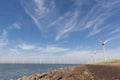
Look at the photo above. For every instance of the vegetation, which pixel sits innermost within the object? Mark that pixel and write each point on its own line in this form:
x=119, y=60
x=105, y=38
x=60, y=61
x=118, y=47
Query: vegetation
x=111, y=61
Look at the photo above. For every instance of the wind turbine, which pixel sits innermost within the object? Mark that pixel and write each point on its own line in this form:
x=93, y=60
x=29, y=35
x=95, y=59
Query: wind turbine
x=15, y=52
x=103, y=43
x=41, y=59
x=93, y=56
x=14, y=58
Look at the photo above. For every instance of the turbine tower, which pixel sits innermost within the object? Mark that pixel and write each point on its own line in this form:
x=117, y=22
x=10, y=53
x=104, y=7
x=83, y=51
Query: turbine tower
x=14, y=57
x=104, y=51
x=95, y=55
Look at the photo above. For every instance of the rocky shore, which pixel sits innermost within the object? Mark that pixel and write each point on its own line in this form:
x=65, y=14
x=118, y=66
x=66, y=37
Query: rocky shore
x=80, y=72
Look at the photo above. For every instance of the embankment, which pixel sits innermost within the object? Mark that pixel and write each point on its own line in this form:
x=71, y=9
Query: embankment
x=80, y=72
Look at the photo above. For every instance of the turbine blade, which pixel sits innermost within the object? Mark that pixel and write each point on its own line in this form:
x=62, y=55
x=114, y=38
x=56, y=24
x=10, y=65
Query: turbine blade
x=106, y=41
x=112, y=38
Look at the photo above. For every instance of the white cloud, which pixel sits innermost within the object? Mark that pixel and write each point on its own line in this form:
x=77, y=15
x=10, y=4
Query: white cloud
x=78, y=56
x=52, y=49
x=83, y=56
x=70, y=56
x=3, y=39
x=15, y=25
x=25, y=46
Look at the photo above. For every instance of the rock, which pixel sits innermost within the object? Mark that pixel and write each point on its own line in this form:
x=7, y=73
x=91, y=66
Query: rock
x=80, y=72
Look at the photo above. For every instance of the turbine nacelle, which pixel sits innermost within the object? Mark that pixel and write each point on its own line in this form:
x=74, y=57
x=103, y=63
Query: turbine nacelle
x=104, y=43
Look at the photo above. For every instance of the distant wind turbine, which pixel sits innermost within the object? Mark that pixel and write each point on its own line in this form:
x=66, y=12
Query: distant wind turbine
x=14, y=57
x=14, y=52
x=93, y=56
x=40, y=60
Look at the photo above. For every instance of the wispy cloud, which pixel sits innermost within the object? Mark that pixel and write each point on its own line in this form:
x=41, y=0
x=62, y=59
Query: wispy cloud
x=114, y=30
x=47, y=15
x=99, y=15
x=68, y=25
x=25, y=46
x=15, y=25
x=98, y=30
x=38, y=10
x=52, y=49
x=3, y=39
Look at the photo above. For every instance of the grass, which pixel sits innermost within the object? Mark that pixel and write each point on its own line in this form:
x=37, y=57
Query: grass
x=110, y=61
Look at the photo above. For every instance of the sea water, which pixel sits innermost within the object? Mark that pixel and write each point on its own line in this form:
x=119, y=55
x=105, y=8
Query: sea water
x=15, y=71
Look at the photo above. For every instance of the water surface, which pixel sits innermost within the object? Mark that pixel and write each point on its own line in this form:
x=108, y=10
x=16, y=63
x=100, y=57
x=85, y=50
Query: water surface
x=15, y=71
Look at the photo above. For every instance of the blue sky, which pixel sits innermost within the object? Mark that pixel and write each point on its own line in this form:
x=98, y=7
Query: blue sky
x=58, y=31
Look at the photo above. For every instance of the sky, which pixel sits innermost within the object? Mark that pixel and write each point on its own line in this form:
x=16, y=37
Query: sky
x=58, y=31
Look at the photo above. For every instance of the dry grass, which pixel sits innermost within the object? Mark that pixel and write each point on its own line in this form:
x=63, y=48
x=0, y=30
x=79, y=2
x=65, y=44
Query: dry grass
x=110, y=61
